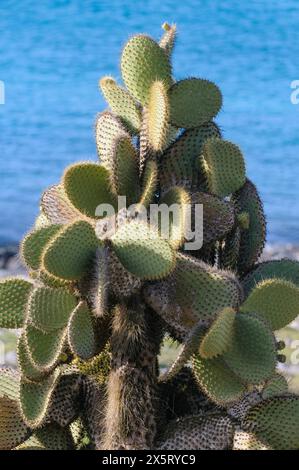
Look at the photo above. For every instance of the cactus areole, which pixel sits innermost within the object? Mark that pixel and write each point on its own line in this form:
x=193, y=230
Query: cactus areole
x=105, y=286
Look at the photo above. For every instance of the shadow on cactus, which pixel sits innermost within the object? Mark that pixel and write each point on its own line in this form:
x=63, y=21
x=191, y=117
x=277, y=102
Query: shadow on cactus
x=104, y=289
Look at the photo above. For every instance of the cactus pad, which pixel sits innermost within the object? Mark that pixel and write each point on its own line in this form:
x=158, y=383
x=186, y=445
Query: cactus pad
x=87, y=186
x=14, y=294
x=34, y=244
x=142, y=252
x=143, y=61
x=275, y=300
x=50, y=309
x=44, y=348
x=81, y=335
x=121, y=103
x=224, y=167
x=13, y=430
x=69, y=255
x=219, y=337
x=158, y=116
x=194, y=102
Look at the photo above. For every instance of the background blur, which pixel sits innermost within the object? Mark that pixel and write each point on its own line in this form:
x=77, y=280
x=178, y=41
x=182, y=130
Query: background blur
x=53, y=53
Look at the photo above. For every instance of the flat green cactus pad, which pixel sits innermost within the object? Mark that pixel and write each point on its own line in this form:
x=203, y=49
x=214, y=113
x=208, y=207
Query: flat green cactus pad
x=121, y=103
x=252, y=355
x=198, y=433
x=168, y=39
x=44, y=348
x=124, y=174
x=193, y=102
x=276, y=422
x=219, y=383
x=142, y=252
x=218, y=216
x=278, y=269
x=26, y=365
x=87, y=186
x=35, y=399
x=9, y=384
x=50, y=309
x=143, y=61
x=179, y=165
x=277, y=385
x=13, y=430
x=108, y=128
x=275, y=300
x=224, y=167
x=34, y=243
x=252, y=240
x=158, y=116
x=68, y=256
x=14, y=294
x=219, y=337
x=81, y=334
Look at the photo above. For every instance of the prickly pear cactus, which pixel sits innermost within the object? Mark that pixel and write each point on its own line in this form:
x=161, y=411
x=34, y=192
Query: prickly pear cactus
x=106, y=286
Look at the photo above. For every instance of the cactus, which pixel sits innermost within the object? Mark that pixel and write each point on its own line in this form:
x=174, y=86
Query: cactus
x=106, y=286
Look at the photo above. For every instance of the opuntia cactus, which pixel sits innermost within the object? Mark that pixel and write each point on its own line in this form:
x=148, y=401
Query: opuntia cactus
x=106, y=286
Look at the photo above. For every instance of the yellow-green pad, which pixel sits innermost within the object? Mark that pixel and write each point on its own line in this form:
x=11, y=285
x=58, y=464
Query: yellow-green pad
x=149, y=183
x=35, y=398
x=87, y=186
x=142, y=251
x=13, y=430
x=275, y=300
x=26, y=365
x=143, y=61
x=34, y=243
x=224, y=167
x=44, y=348
x=14, y=294
x=124, y=175
x=69, y=255
x=277, y=385
x=276, y=422
x=158, y=116
x=286, y=269
x=50, y=309
x=168, y=39
x=219, y=337
x=57, y=207
x=252, y=355
x=121, y=103
x=193, y=102
x=178, y=199
x=218, y=382
x=81, y=334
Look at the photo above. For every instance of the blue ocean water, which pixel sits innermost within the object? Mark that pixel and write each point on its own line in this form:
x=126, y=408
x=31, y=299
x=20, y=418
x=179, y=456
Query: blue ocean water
x=54, y=51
